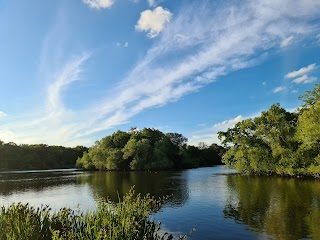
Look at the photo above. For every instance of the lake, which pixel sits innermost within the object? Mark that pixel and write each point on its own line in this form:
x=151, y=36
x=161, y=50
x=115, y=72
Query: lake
x=215, y=201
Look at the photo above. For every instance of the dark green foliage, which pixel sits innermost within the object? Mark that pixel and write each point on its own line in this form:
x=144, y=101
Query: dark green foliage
x=40, y=156
x=127, y=220
x=147, y=149
x=278, y=141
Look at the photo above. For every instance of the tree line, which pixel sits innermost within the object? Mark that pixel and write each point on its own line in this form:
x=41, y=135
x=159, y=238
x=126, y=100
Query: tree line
x=148, y=149
x=277, y=141
x=38, y=156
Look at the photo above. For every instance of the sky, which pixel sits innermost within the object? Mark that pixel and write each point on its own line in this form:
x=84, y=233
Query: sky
x=72, y=72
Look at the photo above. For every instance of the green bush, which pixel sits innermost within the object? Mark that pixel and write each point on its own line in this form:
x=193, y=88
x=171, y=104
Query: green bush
x=128, y=219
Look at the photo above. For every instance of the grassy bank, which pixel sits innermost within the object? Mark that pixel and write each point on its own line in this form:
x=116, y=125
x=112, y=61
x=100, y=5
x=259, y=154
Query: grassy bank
x=128, y=219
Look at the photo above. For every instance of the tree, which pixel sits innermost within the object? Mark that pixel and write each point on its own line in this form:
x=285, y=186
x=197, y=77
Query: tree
x=202, y=146
x=177, y=139
x=310, y=98
x=277, y=141
x=139, y=151
x=259, y=144
x=309, y=120
x=146, y=149
x=115, y=160
x=308, y=132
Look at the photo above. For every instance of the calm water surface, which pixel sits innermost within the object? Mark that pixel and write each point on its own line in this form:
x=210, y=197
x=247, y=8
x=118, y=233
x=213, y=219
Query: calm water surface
x=216, y=202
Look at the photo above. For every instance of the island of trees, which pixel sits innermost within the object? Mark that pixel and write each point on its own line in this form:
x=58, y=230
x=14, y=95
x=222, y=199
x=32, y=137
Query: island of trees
x=148, y=149
x=278, y=141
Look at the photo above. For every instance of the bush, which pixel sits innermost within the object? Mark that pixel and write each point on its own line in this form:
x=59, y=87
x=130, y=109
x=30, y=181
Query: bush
x=128, y=219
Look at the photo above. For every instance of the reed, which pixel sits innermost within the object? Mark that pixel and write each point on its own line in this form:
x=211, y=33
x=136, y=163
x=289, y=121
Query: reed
x=128, y=219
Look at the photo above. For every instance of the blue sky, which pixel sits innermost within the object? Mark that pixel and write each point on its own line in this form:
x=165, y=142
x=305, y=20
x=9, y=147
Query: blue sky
x=75, y=71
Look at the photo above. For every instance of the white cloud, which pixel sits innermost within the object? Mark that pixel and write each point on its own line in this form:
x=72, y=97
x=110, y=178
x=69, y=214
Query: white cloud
x=222, y=45
x=213, y=42
x=300, y=76
x=301, y=71
x=53, y=123
x=304, y=79
x=318, y=38
x=69, y=74
x=120, y=44
x=153, y=3
x=153, y=21
x=295, y=91
x=99, y=4
x=209, y=135
x=279, y=89
x=2, y=114
x=286, y=42
x=228, y=123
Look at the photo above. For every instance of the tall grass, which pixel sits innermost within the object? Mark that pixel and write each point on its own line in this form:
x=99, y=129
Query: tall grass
x=128, y=219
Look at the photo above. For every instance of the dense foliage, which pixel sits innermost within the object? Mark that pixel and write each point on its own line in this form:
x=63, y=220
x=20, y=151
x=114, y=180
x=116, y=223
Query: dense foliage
x=129, y=219
x=40, y=156
x=278, y=141
x=148, y=149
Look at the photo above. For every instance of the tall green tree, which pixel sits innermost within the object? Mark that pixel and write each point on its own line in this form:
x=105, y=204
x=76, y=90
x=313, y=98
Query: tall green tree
x=277, y=141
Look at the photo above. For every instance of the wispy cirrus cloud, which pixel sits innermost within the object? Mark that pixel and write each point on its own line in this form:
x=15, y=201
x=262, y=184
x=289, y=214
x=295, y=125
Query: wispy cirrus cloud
x=70, y=73
x=286, y=42
x=153, y=3
x=52, y=122
x=99, y=4
x=304, y=79
x=197, y=46
x=301, y=75
x=279, y=89
x=2, y=114
x=301, y=71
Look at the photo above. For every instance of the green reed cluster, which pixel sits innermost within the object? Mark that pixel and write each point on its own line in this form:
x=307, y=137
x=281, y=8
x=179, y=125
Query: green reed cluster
x=128, y=219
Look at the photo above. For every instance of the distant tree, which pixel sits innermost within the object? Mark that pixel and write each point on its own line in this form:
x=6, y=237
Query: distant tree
x=38, y=156
x=202, y=146
x=177, y=139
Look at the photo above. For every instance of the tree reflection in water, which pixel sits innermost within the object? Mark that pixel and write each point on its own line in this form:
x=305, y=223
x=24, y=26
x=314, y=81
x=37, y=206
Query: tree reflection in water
x=282, y=208
x=159, y=184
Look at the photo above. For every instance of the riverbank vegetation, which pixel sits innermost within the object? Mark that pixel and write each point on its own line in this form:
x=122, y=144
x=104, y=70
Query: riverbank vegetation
x=129, y=219
x=148, y=149
x=278, y=141
x=38, y=156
